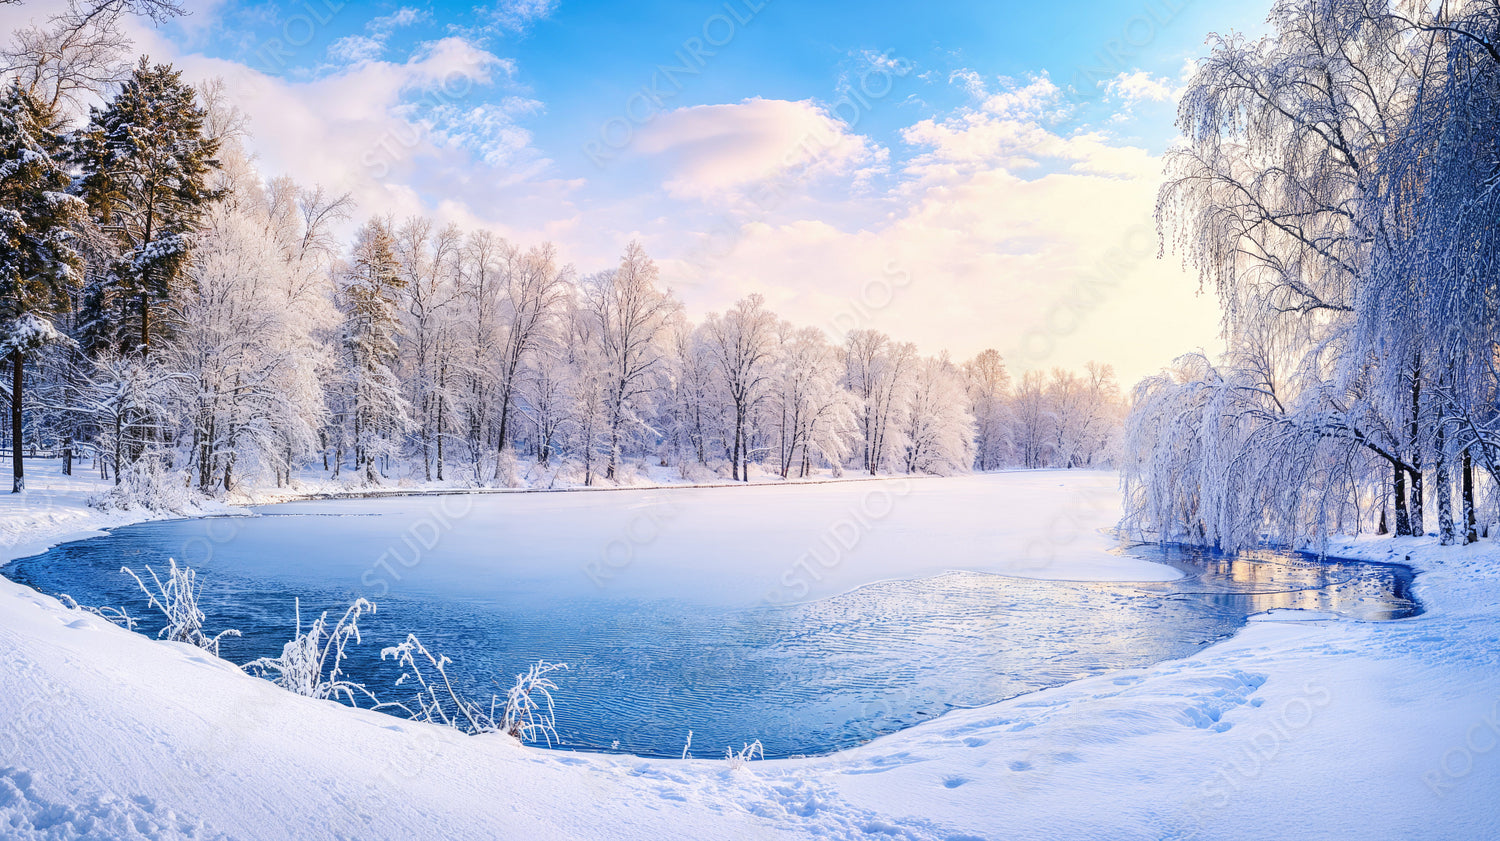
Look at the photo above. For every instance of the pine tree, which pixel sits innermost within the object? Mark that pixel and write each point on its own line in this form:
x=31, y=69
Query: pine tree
x=145, y=161
x=370, y=292
x=38, y=263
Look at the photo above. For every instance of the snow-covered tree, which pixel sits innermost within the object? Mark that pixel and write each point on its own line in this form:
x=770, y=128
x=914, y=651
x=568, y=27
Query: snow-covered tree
x=377, y=411
x=144, y=163
x=427, y=256
x=741, y=344
x=535, y=290
x=38, y=262
x=247, y=347
x=1032, y=421
x=810, y=413
x=1337, y=191
x=878, y=372
x=629, y=317
x=937, y=429
x=691, y=404
x=989, y=390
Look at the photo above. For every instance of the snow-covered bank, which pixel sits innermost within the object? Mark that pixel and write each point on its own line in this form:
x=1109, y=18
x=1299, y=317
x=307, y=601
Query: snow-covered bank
x=55, y=509
x=1321, y=729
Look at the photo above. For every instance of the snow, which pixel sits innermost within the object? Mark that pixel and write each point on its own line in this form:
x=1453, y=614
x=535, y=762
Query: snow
x=28, y=332
x=1309, y=729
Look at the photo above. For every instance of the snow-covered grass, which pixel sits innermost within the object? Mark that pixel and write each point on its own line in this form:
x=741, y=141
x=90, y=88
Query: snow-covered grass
x=1292, y=729
x=528, y=714
x=311, y=663
x=177, y=600
x=117, y=615
x=749, y=752
x=436, y=701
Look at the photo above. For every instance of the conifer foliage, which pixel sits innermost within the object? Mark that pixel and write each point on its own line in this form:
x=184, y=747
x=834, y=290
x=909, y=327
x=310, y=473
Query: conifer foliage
x=144, y=163
x=38, y=262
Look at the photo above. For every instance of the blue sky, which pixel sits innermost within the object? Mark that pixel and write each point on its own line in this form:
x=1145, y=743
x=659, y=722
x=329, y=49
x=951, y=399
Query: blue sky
x=999, y=159
x=584, y=59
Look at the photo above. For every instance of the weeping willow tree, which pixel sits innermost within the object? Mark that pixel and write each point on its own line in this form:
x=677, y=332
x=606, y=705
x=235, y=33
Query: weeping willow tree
x=1336, y=191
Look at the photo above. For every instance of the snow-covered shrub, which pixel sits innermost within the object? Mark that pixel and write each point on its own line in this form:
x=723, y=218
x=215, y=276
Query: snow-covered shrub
x=304, y=666
x=508, y=472
x=177, y=599
x=150, y=483
x=568, y=472
x=637, y=472
x=692, y=471
x=435, y=694
x=740, y=759
x=437, y=702
x=525, y=715
x=467, y=474
x=117, y=615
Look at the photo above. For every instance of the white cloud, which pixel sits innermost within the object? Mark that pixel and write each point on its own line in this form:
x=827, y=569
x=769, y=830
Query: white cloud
x=1051, y=271
x=1037, y=98
x=439, y=132
x=724, y=152
x=1138, y=86
x=404, y=16
x=1011, y=129
x=490, y=131
x=516, y=15
x=1014, y=235
x=971, y=81
x=352, y=49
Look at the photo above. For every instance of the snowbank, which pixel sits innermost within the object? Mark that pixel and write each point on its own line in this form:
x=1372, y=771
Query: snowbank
x=1308, y=729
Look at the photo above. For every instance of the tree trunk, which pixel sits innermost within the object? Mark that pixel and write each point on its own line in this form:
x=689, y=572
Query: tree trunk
x=505, y=398
x=119, y=443
x=17, y=467
x=1418, y=528
x=1471, y=535
x=737, y=458
x=145, y=347
x=614, y=440
x=441, y=418
x=426, y=447
x=1444, y=491
x=1398, y=493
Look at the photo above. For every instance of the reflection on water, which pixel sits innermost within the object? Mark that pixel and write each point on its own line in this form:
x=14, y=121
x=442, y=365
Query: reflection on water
x=1260, y=580
x=804, y=679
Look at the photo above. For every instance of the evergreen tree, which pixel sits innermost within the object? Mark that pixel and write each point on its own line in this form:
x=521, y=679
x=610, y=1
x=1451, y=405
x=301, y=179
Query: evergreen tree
x=38, y=263
x=145, y=160
x=370, y=291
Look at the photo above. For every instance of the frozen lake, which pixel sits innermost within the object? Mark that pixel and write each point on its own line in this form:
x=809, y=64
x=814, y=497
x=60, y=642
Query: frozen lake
x=812, y=618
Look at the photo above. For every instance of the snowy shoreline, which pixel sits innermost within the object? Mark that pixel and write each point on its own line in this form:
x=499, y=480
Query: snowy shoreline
x=117, y=735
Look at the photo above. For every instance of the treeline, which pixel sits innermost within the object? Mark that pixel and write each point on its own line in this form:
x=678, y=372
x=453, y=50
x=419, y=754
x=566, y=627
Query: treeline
x=1338, y=188
x=184, y=323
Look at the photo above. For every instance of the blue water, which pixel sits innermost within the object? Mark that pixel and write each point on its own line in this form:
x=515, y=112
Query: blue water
x=649, y=664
